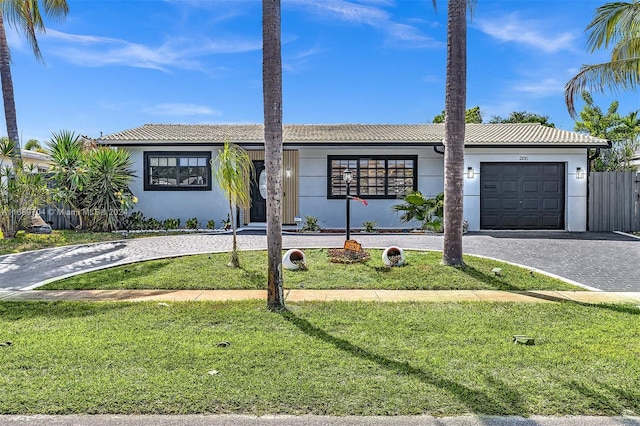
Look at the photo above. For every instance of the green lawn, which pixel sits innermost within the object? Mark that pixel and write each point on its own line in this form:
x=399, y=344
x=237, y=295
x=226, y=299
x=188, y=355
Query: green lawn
x=320, y=358
x=210, y=272
x=25, y=241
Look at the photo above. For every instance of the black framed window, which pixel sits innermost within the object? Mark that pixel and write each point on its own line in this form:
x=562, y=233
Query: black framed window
x=373, y=177
x=177, y=171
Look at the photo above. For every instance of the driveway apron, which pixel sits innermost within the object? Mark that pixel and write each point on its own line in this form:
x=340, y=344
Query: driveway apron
x=605, y=261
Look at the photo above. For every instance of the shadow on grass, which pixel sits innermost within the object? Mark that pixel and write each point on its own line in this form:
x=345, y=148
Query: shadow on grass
x=255, y=279
x=605, y=399
x=503, y=401
x=501, y=285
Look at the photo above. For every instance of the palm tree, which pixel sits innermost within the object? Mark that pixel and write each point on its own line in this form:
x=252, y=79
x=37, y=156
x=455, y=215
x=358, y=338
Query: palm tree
x=454, y=133
x=615, y=24
x=24, y=15
x=272, y=91
x=232, y=169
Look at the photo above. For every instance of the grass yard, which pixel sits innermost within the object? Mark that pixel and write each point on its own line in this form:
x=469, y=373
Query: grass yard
x=334, y=358
x=210, y=272
x=25, y=241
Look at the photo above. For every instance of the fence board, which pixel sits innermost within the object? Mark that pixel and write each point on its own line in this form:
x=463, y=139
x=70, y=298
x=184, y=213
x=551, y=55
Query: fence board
x=614, y=201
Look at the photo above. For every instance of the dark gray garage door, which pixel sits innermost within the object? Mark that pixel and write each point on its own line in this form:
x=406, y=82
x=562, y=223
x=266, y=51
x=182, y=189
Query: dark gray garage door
x=522, y=195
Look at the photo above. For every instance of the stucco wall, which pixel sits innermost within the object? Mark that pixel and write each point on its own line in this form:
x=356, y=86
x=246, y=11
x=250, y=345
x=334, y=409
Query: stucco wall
x=575, y=189
x=204, y=205
x=332, y=212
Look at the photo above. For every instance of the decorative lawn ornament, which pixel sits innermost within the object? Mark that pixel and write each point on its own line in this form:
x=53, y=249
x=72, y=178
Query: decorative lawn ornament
x=393, y=256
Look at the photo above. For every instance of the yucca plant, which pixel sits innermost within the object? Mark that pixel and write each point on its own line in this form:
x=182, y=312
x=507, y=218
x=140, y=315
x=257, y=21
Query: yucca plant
x=107, y=193
x=68, y=173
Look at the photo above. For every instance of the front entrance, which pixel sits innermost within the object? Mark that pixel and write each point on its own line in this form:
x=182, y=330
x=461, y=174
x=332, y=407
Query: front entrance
x=258, y=211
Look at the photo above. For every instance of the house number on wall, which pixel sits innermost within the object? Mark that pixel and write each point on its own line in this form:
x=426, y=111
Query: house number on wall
x=524, y=158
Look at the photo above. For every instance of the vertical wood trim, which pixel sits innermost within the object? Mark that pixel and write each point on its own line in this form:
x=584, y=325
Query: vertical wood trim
x=289, y=185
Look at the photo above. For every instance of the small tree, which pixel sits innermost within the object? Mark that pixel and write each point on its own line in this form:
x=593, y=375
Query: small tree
x=233, y=170
x=22, y=192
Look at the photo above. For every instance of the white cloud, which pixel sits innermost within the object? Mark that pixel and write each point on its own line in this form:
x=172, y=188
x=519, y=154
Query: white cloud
x=368, y=14
x=511, y=28
x=541, y=88
x=95, y=51
x=178, y=109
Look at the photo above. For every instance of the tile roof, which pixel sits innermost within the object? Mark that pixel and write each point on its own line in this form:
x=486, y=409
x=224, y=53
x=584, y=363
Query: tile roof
x=427, y=134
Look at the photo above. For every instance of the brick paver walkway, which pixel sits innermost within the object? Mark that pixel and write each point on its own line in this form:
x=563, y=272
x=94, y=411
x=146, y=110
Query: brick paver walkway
x=606, y=261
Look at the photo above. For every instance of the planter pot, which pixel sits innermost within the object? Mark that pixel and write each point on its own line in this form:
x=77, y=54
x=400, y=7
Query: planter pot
x=393, y=256
x=291, y=257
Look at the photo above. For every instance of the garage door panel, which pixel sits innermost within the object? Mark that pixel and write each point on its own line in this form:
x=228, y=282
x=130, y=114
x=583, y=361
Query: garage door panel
x=510, y=204
x=522, y=195
x=531, y=204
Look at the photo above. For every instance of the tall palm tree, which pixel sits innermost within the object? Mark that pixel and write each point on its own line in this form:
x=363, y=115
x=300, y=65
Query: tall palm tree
x=455, y=103
x=272, y=92
x=233, y=169
x=616, y=24
x=24, y=15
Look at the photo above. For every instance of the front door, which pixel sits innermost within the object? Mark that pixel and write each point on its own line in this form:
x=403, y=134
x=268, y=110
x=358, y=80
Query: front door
x=258, y=211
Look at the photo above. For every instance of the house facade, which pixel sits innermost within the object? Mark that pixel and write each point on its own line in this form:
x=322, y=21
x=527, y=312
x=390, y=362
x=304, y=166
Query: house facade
x=517, y=176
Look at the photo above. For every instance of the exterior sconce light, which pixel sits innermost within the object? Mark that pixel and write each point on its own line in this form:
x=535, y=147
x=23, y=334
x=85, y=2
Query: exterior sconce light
x=470, y=172
x=580, y=173
x=287, y=173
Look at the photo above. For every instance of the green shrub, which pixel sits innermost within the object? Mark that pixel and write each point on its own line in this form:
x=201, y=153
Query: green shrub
x=211, y=224
x=369, y=226
x=310, y=224
x=171, y=223
x=134, y=222
x=152, y=224
x=192, y=223
x=429, y=211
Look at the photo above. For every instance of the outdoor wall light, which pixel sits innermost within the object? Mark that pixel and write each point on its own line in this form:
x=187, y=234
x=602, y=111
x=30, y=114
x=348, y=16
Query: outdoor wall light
x=580, y=173
x=347, y=176
x=287, y=173
x=470, y=172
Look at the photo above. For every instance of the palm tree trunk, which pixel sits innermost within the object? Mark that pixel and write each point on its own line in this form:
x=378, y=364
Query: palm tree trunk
x=7, y=95
x=455, y=103
x=272, y=91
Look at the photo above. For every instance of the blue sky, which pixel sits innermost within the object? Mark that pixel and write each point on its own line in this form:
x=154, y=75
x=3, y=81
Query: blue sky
x=115, y=64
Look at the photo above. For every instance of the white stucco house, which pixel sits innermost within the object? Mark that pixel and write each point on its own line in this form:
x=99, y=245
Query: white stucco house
x=517, y=176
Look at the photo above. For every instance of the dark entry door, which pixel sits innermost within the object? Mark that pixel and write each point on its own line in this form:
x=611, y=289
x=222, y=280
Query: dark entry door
x=258, y=211
x=522, y=195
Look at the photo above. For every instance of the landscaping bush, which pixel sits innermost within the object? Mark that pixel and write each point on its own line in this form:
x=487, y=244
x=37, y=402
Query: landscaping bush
x=192, y=223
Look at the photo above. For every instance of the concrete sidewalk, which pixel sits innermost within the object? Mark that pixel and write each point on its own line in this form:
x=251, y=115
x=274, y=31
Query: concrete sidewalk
x=328, y=295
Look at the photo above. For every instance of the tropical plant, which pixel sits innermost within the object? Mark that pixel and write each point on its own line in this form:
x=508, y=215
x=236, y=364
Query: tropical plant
x=24, y=15
x=22, y=192
x=192, y=223
x=211, y=224
x=310, y=224
x=623, y=133
x=272, y=93
x=94, y=183
x=428, y=211
x=369, y=226
x=233, y=170
x=171, y=223
x=107, y=196
x=615, y=24
x=68, y=173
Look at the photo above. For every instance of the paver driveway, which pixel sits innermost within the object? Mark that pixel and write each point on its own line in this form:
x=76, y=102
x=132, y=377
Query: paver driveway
x=606, y=261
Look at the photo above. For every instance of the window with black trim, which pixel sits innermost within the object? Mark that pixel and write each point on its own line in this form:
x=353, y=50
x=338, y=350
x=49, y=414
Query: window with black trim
x=373, y=177
x=177, y=171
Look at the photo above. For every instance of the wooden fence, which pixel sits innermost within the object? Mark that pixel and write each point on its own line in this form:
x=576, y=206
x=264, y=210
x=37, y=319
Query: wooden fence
x=614, y=201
